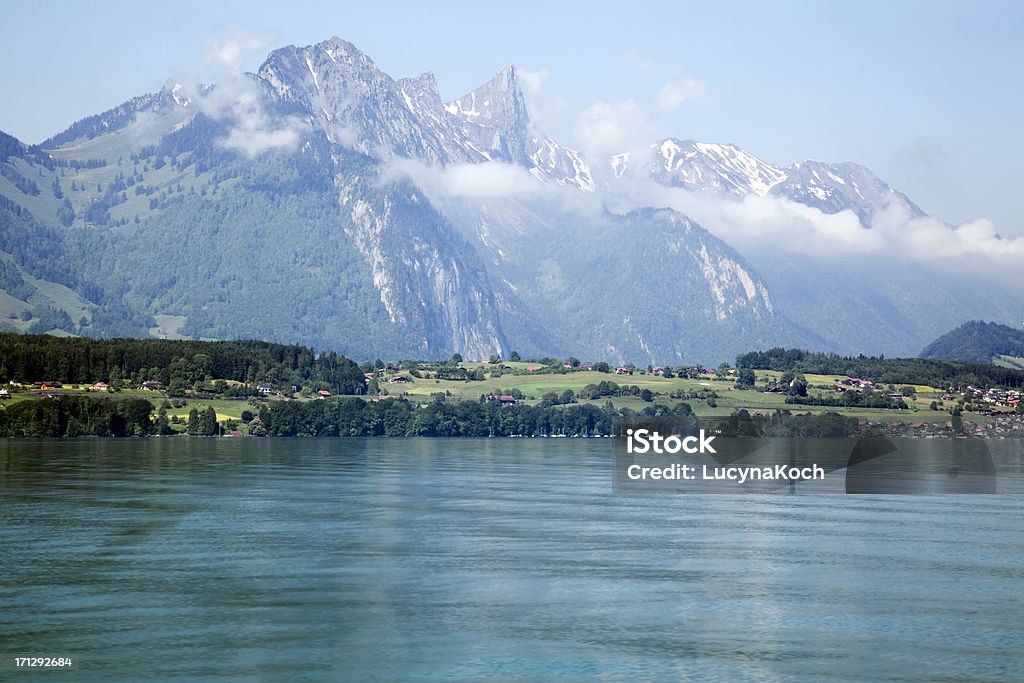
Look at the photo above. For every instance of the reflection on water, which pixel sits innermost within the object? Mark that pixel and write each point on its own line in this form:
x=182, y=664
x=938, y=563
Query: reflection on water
x=395, y=559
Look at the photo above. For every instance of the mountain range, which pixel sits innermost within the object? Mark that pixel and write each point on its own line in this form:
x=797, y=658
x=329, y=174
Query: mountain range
x=321, y=201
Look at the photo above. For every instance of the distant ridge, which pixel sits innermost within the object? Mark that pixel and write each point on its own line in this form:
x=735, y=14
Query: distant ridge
x=977, y=342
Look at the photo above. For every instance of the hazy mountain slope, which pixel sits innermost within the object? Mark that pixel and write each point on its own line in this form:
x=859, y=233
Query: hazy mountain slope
x=881, y=305
x=649, y=285
x=268, y=248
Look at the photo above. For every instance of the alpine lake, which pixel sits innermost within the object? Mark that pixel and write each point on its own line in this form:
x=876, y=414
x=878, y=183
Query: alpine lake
x=433, y=559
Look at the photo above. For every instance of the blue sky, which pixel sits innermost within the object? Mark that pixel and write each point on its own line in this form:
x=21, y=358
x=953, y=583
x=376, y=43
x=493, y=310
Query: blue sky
x=929, y=95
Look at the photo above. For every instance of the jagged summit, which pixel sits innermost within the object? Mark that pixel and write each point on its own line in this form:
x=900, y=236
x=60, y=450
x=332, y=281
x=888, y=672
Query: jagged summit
x=727, y=169
x=495, y=121
x=494, y=117
x=842, y=186
x=722, y=167
x=359, y=106
x=423, y=92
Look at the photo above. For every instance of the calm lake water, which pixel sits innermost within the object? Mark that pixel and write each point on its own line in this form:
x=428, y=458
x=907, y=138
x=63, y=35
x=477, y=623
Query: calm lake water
x=249, y=559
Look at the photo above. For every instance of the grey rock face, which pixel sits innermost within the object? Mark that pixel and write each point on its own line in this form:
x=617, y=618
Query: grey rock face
x=728, y=170
x=837, y=187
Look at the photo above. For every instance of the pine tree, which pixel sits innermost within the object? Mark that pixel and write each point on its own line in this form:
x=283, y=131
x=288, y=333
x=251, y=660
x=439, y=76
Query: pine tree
x=208, y=421
x=193, y=423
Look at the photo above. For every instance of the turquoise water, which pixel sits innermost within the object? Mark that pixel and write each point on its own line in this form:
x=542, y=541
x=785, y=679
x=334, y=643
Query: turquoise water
x=248, y=559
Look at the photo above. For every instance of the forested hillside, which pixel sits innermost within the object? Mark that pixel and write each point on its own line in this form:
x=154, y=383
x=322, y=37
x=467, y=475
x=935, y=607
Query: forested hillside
x=35, y=358
x=977, y=342
x=932, y=372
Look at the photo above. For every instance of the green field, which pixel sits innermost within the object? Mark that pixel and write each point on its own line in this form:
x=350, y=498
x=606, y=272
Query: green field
x=46, y=293
x=830, y=380
x=535, y=385
x=729, y=398
x=225, y=409
x=1012, y=362
x=532, y=385
x=168, y=326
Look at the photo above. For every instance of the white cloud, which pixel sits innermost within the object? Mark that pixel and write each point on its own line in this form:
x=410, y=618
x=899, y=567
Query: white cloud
x=779, y=224
x=607, y=128
x=486, y=180
x=754, y=224
x=490, y=179
x=252, y=131
x=237, y=99
x=230, y=51
x=674, y=93
x=532, y=81
x=255, y=134
x=544, y=109
x=929, y=238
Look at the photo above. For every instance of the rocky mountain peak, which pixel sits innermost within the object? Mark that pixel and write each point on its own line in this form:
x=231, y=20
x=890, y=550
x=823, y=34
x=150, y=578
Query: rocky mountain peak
x=361, y=107
x=728, y=170
x=494, y=117
x=423, y=93
x=843, y=186
x=724, y=168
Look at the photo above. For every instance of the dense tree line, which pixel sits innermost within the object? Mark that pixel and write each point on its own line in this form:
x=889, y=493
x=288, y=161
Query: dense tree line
x=202, y=423
x=397, y=417
x=10, y=146
x=850, y=399
x=782, y=423
x=607, y=388
x=23, y=184
x=936, y=373
x=12, y=282
x=70, y=416
x=83, y=360
x=77, y=416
